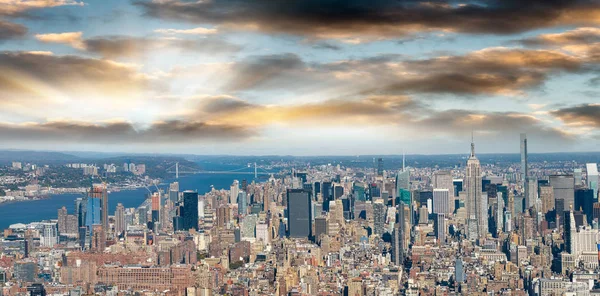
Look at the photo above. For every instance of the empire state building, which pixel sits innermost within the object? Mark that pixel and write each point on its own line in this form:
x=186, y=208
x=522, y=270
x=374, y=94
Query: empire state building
x=476, y=206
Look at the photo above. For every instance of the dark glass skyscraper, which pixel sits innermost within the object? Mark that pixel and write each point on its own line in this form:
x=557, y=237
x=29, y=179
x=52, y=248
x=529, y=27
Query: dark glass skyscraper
x=299, y=213
x=190, y=210
x=326, y=193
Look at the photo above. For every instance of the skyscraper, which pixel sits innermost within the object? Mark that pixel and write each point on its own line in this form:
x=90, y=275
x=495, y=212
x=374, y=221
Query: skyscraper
x=190, y=210
x=299, y=213
x=380, y=167
x=564, y=188
x=104, y=209
x=525, y=169
x=379, y=217
x=440, y=227
x=441, y=204
x=62, y=220
x=592, y=178
x=119, y=219
x=475, y=217
x=443, y=180
x=242, y=202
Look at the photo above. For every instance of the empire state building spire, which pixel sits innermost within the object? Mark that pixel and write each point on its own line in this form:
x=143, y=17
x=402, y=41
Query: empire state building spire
x=472, y=146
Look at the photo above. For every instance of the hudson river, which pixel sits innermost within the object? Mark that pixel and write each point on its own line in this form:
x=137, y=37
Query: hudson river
x=38, y=210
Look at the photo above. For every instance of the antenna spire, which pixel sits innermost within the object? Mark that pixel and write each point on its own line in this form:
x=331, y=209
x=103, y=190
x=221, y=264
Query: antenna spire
x=472, y=145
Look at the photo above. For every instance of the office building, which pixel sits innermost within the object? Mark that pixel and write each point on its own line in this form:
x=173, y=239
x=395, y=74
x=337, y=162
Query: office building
x=190, y=210
x=299, y=213
x=441, y=203
x=476, y=217
x=443, y=180
x=120, y=225
x=242, y=202
x=440, y=227
x=564, y=188
x=592, y=178
x=379, y=210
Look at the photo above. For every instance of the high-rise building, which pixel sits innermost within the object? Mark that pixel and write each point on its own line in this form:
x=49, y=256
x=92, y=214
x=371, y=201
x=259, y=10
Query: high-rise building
x=547, y=198
x=443, y=180
x=320, y=227
x=190, y=210
x=440, y=227
x=459, y=271
x=592, y=178
x=326, y=194
x=234, y=191
x=299, y=213
x=441, y=202
x=380, y=167
x=49, y=235
x=476, y=217
x=525, y=169
x=564, y=188
x=62, y=220
x=584, y=201
x=396, y=244
x=379, y=217
x=242, y=202
x=119, y=219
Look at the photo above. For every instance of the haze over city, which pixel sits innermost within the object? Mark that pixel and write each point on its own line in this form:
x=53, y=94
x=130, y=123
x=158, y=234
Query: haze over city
x=299, y=77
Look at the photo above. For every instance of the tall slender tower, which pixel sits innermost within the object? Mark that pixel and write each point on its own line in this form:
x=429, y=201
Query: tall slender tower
x=525, y=172
x=476, y=216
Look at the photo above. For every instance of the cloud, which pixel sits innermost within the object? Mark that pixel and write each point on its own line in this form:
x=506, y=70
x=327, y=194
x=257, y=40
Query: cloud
x=411, y=117
x=33, y=76
x=371, y=110
x=120, y=131
x=492, y=71
x=359, y=21
x=259, y=70
x=71, y=38
x=11, y=31
x=584, y=115
x=16, y=7
x=194, y=31
x=576, y=36
x=131, y=47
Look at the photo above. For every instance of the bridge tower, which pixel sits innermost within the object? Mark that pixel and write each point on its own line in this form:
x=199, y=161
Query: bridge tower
x=177, y=170
x=255, y=171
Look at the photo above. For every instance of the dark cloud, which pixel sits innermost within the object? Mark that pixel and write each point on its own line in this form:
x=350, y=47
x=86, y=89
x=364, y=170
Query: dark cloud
x=257, y=71
x=326, y=45
x=118, y=132
x=11, y=31
x=496, y=71
x=584, y=115
x=376, y=19
x=26, y=76
x=490, y=125
x=126, y=46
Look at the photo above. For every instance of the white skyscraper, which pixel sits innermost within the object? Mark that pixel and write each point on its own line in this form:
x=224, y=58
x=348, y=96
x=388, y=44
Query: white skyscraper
x=443, y=180
x=592, y=178
x=472, y=181
x=233, y=193
x=49, y=235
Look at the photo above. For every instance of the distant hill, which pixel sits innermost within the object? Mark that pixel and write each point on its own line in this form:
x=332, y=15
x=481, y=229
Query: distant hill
x=38, y=157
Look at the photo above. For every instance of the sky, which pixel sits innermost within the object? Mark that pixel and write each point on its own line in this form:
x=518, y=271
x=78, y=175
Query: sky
x=299, y=77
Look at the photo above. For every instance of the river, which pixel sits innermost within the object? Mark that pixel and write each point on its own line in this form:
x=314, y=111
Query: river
x=45, y=209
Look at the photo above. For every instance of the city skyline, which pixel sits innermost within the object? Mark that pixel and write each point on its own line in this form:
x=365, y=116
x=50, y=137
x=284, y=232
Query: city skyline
x=300, y=77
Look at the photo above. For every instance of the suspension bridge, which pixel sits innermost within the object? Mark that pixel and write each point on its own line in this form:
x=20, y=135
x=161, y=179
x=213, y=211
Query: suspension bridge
x=178, y=169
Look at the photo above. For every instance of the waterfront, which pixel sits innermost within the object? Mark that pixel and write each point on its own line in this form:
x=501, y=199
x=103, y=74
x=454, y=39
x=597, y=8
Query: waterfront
x=44, y=209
